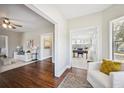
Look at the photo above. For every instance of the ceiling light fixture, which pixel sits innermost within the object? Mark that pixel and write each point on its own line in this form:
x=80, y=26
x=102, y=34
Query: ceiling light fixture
x=6, y=20
x=9, y=26
x=4, y=25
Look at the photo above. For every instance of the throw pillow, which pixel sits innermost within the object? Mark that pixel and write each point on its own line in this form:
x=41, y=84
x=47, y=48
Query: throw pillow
x=108, y=66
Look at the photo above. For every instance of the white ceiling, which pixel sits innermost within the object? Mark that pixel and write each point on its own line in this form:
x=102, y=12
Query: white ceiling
x=20, y=14
x=76, y=10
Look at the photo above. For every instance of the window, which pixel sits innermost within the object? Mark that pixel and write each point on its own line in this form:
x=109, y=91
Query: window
x=118, y=39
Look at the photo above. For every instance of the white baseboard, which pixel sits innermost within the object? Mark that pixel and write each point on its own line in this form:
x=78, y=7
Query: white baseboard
x=45, y=58
x=68, y=66
x=15, y=65
x=61, y=72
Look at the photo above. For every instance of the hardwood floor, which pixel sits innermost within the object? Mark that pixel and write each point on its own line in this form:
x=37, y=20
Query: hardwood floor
x=35, y=75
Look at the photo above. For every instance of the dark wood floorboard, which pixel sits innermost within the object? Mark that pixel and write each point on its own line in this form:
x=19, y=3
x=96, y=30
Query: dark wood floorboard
x=35, y=75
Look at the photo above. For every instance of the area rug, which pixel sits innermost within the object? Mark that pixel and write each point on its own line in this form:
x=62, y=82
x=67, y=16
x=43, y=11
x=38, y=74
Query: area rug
x=75, y=81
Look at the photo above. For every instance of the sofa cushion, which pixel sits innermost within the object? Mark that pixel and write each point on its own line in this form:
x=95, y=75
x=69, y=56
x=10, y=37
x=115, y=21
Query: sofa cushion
x=108, y=66
x=122, y=67
x=100, y=79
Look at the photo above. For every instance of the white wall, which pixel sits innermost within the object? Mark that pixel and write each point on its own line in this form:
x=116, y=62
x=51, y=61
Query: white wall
x=53, y=15
x=85, y=21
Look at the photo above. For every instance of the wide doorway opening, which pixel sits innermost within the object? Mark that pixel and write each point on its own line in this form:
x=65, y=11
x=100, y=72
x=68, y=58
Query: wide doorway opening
x=84, y=47
x=20, y=38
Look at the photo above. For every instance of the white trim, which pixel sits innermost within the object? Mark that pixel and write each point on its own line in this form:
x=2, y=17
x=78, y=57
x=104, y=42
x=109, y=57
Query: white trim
x=39, y=12
x=110, y=41
x=117, y=19
x=61, y=72
x=45, y=58
x=99, y=51
x=110, y=35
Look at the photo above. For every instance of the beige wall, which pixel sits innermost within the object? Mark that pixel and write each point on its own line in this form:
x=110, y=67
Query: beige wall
x=14, y=40
x=102, y=20
x=85, y=21
x=31, y=36
x=35, y=35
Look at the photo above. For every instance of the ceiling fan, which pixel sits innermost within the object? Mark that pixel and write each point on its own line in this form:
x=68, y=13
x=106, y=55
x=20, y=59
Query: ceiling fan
x=6, y=23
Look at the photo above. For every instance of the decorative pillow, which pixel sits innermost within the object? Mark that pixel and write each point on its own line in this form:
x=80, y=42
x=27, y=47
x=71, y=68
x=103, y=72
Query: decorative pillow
x=108, y=66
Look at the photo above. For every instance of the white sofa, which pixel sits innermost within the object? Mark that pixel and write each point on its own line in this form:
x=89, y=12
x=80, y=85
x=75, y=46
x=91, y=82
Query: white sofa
x=100, y=80
x=26, y=57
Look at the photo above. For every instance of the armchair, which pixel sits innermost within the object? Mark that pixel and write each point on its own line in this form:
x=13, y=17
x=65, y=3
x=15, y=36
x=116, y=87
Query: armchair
x=100, y=80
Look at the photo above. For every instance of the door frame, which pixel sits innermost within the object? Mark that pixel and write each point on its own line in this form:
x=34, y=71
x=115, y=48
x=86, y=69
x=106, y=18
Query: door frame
x=55, y=35
x=99, y=51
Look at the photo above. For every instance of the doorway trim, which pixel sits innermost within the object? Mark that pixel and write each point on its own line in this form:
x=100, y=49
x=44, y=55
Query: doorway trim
x=99, y=51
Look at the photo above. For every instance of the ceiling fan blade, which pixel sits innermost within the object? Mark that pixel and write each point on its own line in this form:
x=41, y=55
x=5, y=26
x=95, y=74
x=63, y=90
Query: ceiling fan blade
x=18, y=25
x=8, y=22
x=13, y=27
